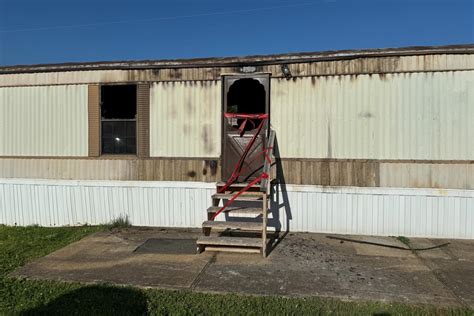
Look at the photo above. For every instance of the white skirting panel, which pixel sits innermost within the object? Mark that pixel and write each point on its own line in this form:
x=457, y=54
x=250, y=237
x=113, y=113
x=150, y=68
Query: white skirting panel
x=342, y=210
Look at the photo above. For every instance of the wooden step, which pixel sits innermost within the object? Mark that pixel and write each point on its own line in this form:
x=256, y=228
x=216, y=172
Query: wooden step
x=250, y=226
x=237, y=185
x=242, y=197
x=236, y=210
x=230, y=241
x=233, y=249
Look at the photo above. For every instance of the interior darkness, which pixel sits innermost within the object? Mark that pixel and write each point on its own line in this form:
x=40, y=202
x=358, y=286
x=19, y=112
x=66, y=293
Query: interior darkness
x=246, y=96
x=119, y=102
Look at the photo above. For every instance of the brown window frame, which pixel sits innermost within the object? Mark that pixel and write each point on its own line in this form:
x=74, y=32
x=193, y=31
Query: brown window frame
x=142, y=135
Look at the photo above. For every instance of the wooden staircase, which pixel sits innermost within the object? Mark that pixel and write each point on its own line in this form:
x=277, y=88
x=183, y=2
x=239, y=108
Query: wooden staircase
x=245, y=227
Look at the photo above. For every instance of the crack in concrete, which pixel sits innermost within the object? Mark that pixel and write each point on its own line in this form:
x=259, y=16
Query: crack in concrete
x=439, y=277
x=198, y=277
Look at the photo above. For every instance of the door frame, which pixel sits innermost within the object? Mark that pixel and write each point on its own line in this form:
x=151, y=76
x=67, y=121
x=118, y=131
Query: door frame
x=227, y=80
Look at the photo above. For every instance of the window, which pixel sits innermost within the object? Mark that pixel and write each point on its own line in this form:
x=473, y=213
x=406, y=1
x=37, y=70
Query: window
x=118, y=119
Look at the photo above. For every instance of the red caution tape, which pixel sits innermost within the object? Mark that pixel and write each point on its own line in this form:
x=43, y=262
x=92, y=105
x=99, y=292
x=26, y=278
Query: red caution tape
x=246, y=116
x=262, y=176
x=238, y=167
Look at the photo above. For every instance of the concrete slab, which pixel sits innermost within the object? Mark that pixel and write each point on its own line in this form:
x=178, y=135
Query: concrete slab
x=311, y=264
x=168, y=246
x=300, y=265
x=453, y=265
x=110, y=257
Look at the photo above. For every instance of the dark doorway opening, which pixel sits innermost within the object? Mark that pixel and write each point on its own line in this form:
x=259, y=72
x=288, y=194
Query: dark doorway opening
x=118, y=119
x=246, y=96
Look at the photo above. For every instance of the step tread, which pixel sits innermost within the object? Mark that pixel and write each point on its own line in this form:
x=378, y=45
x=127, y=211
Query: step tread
x=242, y=197
x=253, y=226
x=233, y=249
x=237, y=185
x=230, y=241
x=236, y=209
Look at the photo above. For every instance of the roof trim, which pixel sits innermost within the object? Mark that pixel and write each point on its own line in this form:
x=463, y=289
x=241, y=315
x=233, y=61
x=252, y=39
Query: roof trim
x=256, y=60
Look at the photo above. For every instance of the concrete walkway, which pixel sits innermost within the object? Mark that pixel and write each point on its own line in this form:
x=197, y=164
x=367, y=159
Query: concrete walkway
x=300, y=265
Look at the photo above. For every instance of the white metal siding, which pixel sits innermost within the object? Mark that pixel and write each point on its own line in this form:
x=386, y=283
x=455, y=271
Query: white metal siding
x=343, y=210
x=185, y=119
x=393, y=116
x=380, y=211
x=43, y=121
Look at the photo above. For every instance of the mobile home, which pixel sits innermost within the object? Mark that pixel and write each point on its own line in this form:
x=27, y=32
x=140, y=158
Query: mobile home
x=377, y=142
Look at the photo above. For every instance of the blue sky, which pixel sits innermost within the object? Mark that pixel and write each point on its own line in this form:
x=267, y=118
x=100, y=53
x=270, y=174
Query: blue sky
x=55, y=31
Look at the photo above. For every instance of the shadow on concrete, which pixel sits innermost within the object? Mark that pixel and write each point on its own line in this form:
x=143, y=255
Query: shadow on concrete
x=95, y=300
x=279, y=201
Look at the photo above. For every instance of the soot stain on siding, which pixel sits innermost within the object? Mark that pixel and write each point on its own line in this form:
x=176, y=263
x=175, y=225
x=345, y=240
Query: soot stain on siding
x=206, y=137
x=189, y=107
x=173, y=113
x=176, y=74
x=366, y=115
x=353, y=77
x=329, y=142
x=209, y=165
x=205, y=165
x=186, y=129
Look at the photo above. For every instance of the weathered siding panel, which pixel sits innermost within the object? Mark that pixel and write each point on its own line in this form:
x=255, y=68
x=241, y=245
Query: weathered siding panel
x=308, y=172
x=329, y=173
x=425, y=116
x=111, y=169
x=366, y=65
x=43, y=121
x=352, y=210
x=426, y=175
x=374, y=173
x=185, y=119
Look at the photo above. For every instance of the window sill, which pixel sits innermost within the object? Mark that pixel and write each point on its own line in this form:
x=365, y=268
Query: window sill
x=118, y=156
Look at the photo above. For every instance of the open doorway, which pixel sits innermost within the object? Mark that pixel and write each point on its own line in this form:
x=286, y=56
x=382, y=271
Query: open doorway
x=244, y=95
x=118, y=104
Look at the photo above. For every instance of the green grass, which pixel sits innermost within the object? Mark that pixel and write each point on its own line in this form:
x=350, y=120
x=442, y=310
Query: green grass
x=19, y=245
x=404, y=240
x=120, y=222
